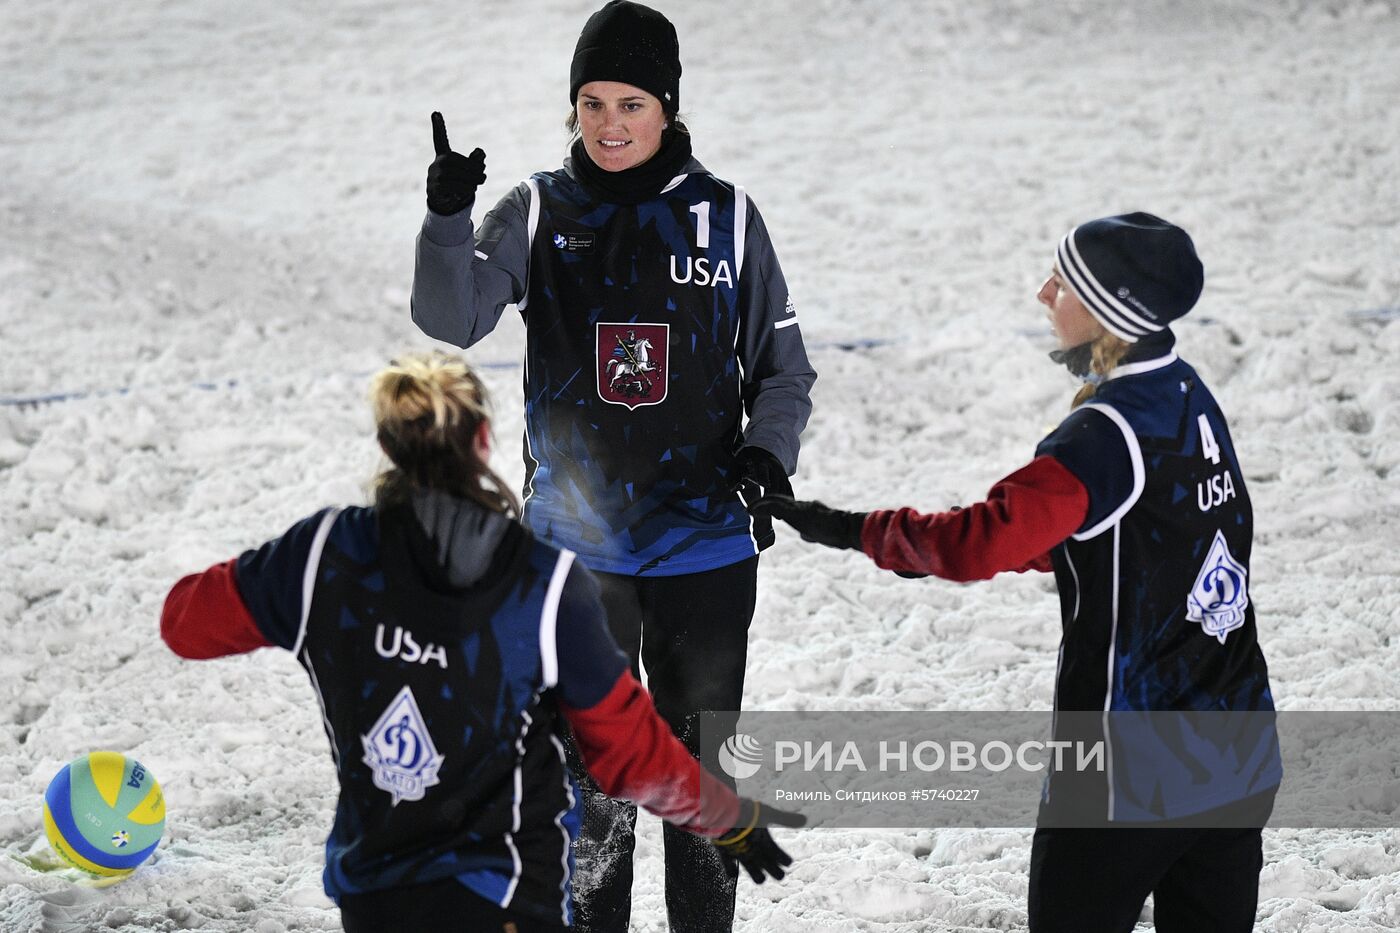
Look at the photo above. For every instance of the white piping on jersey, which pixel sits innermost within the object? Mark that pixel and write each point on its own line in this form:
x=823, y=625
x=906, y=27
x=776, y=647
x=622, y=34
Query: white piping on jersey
x=1146, y=366
x=741, y=220
x=480, y=255
x=788, y=323
x=308, y=576
x=741, y=214
x=1139, y=475
x=1075, y=574
x=529, y=449
x=674, y=182
x=549, y=619
x=741, y=207
x=321, y=702
x=308, y=589
x=515, y=810
x=1060, y=655
x=568, y=843
x=741, y=227
x=531, y=223
x=1108, y=694
x=753, y=539
x=1055, y=708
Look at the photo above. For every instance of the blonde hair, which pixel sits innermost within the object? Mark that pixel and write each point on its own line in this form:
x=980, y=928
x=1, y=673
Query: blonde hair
x=1107, y=351
x=428, y=408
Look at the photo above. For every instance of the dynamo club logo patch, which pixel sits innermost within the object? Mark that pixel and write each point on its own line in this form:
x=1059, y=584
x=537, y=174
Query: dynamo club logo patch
x=632, y=363
x=1220, y=595
x=400, y=752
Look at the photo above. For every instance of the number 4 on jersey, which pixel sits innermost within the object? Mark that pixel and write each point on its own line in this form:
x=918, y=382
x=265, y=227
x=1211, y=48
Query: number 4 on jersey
x=1217, y=489
x=1209, y=448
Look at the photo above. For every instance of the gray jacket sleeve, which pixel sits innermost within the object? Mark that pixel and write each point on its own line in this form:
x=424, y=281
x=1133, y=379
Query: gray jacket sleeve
x=461, y=283
x=777, y=378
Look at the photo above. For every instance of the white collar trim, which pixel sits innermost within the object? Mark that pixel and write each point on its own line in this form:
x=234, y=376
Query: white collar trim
x=1146, y=366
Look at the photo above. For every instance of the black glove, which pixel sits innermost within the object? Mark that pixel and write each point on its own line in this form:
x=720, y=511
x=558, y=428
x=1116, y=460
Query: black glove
x=814, y=521
x=452, y=178
x=756, y=467
x=750, y=844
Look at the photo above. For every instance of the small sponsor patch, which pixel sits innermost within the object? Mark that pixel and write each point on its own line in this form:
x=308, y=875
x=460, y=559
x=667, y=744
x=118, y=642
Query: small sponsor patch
x=575, y=242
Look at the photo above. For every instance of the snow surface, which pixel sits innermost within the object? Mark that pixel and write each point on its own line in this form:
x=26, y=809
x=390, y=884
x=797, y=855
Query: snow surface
x=206, y=246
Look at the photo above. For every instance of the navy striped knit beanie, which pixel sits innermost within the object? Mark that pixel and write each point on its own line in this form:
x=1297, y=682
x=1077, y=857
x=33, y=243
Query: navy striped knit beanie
x=1136, y=273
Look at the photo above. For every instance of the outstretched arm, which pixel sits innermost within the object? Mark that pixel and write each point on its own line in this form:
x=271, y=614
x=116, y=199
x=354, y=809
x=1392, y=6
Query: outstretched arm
x=631, y=752
x=625, y=744
x=205, y=617
x=252, y=601
x=1023, y=517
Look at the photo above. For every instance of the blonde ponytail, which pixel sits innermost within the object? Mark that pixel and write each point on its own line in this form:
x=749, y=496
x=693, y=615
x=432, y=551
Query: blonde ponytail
x=427, y=411
x=1107, y=351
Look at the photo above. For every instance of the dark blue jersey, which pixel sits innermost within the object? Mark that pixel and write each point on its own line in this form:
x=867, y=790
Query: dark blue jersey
x=439, y=702
x=632, y=386
x=660, y=340
x=1155, y=594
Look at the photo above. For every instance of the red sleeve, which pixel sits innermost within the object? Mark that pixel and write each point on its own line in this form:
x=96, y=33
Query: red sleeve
x=631, y=753
x=205, y=617
x=1024, y=516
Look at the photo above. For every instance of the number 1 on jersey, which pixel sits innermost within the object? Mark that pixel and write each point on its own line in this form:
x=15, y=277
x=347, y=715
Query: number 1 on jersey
x=702, y=224
x=1209, y=448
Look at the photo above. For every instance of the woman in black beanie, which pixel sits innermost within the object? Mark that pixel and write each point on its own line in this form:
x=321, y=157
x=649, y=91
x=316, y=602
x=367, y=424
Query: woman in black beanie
x=665, y=377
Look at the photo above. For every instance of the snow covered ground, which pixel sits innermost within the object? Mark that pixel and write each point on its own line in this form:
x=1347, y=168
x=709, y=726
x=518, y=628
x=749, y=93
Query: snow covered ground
x=206, y=244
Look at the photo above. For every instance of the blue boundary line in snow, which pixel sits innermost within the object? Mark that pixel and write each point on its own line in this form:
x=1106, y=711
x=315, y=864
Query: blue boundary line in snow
x=1385, y=314
x=1376, y=314
x=34, y=401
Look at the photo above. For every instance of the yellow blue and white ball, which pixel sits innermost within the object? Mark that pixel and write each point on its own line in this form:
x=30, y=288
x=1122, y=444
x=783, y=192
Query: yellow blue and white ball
x=104, y=813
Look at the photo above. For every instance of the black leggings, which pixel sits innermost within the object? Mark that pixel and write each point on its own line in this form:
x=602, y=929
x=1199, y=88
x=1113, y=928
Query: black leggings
x=445, y=906
x=1202, y=880
x=692, y=633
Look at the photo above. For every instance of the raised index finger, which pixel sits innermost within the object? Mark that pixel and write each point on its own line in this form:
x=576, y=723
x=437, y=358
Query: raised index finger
x=440, y=145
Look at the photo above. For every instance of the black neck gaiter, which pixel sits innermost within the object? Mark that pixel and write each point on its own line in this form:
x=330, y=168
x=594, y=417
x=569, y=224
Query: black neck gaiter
x=1079, y=360
x=639, y=183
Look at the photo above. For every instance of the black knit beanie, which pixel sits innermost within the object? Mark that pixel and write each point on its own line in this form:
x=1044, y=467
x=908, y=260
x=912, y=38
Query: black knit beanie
x=633, y=44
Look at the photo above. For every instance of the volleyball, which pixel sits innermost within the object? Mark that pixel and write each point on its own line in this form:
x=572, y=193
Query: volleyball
x=104, y=813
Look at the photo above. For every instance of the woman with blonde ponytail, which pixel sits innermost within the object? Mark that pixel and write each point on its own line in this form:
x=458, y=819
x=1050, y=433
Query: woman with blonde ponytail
x=1105, y=352
x=432, y=421
x=1138, y=504
x=450, y=651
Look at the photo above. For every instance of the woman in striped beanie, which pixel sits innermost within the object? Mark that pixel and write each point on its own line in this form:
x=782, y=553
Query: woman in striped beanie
x=1137, y=504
